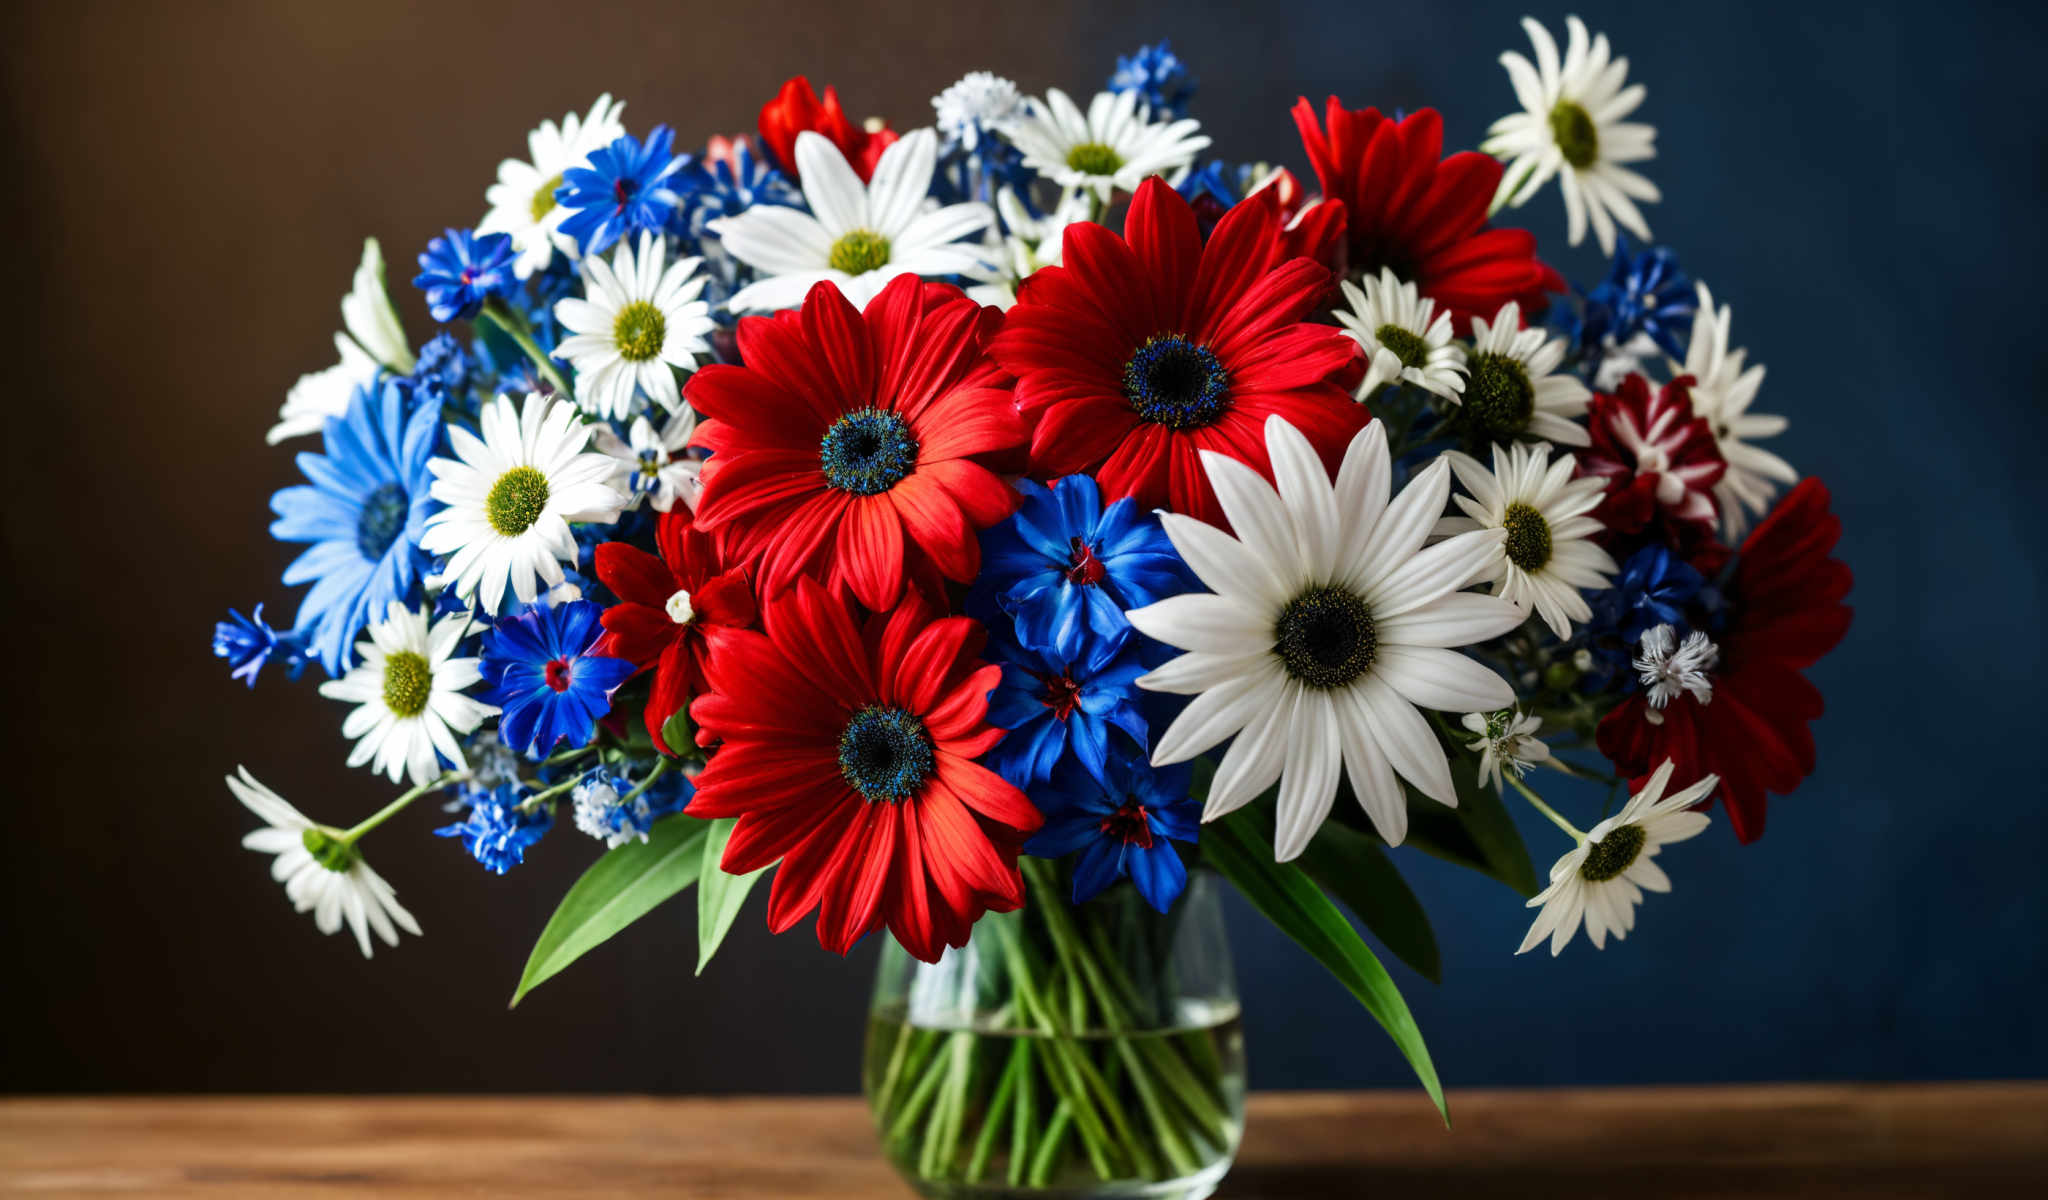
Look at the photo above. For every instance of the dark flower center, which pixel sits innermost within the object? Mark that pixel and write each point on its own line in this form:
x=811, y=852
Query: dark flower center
x=1498, y=396
x=516, y=501
x=1528, y=543
x=867, y=452
x=408, y=683
x=1409, y=348
x=1128, y=824
x=622, y=192
x=1613, y=854
x=885, y=754
x=1061, y=693
x=381, y=521
x=1177, y=383
x=1082, y=565
x=557, y=674
x=1577, y=138
x=1325, y=637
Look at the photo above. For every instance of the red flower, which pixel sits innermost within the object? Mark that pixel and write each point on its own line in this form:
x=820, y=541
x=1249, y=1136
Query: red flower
x=669, y=610
x=1786, y=596
x=796, y=108
x=852, y=445
x=848, y=754
x=1423, y=218
x=1660, y=462
x=1142, y=351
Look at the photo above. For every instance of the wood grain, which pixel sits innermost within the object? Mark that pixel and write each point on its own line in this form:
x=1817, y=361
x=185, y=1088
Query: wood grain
x=1952, y=1139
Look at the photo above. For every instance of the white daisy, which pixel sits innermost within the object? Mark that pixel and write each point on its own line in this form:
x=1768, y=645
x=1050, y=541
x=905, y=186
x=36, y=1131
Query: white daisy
x=1329, y=626
x=511, y=495
x=523, y=200
x=1115, y=145
x=1669, y=667
x=1511, y=390
x=1507, y=742
x=1032, y=244
x=367, y=314
x=1548, y=555
x=1603, y=878
x=323, y=394
x=407, y=687
x=1405, y=339
x=981, y=101
x=1571, y=126
x=321, y=873
x=859, y=236
x=634, y=326
x=656, y=465
x=1722, y=393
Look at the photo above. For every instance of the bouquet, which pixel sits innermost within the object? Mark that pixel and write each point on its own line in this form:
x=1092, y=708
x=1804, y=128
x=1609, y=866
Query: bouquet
x=982, y=526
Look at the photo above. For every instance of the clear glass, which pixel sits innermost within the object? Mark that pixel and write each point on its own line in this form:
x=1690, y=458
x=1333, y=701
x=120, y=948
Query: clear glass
x=1065, y=1051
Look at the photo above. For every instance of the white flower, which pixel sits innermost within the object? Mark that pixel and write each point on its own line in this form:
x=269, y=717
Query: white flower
x=655, y=465
x=1405, y=339
x=634, y=322
x=597, y=812
x=1116, y=145
x=367, y=314
x=1603, y=878
x=979, y=102
x=1722, y=393
x=861, y=236
x=1330, y=625
x=1548, y=555
x=1507, y=741
x=407, y=689
x=523, y=200
x=1668, y=667
x=323, y=394
x=1571, y=126
x=320, y=873
x=511, y=495
x=1033, y=243
x=1619, y=360
x=1510, y=390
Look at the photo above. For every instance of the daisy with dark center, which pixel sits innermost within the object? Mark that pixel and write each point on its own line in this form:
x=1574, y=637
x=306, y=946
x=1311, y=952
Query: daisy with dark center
x=1548, y=558
x=847, y=751
x=1513, y=389
x=1601, y=880
x=1405, y=338
x=1330, y=626
x=856, y=447
x=1140, y=352
x=1121, y=824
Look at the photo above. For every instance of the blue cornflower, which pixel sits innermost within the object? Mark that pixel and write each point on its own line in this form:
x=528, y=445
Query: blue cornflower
x=1159, y=76
x=496, y=833
x=1121, y=826
x=1064, y=564
x=1655, y=587
x=363, y=512
x=626, y=189
x=1646, y=295
x=443, y=364
x=460, y=270
x=249, y=642
x=727, y=181
x=1056, y=707
x=541, y=673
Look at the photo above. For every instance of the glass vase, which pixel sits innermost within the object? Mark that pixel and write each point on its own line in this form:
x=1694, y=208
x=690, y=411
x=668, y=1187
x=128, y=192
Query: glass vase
x=1091, y=1050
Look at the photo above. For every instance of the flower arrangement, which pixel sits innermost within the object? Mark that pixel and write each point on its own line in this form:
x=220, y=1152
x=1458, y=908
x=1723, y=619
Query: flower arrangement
x=986, y=515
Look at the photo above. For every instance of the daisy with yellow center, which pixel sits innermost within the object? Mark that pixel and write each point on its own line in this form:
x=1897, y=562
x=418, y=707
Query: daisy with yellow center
x=1547, y=555
x=407, y=687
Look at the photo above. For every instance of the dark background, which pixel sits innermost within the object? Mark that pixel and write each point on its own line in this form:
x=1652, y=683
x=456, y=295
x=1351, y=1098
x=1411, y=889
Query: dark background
x=187, y=187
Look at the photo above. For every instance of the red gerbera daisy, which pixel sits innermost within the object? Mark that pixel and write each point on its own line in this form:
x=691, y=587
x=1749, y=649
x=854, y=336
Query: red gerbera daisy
x=796, y=108
x=1423, y=219
x=1750, y=728
x=1660, y=462
x=853, y=446
x=848, y=753
x=669, y=609
x=1144, y=350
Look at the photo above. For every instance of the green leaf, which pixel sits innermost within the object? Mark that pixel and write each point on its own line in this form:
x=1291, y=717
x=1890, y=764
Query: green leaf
x=1351, y=866
x=679, y=735
x=720, y=896
x=1237, y=846
x=616, y=891
x=1485, y=819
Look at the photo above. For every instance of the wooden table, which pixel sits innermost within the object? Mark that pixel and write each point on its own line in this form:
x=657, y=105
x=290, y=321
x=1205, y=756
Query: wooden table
x=1660, y=1143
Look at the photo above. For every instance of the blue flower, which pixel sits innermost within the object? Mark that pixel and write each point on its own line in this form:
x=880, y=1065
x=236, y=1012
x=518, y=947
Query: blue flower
x=727, y=181
x=248, y=642
x=1655, y=587
x=541, y=673
x=1120, y=826
x=1056, y=706
x=607, y=808
x=1065, y=565
x=496, y=833
x=625, y=190
x=460, y=270
x=1645, y=294
x=1158, y=75
x=363, y=512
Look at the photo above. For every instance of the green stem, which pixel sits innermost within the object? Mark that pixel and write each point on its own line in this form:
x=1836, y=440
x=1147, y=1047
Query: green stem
x=349, y=836
x=534, y=801
x=506, y=318
x=1541, y=807
x=660, y=769
x=569, y=756
x=1021, y=1128
x=1049, y=1149
x=998, y=1110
